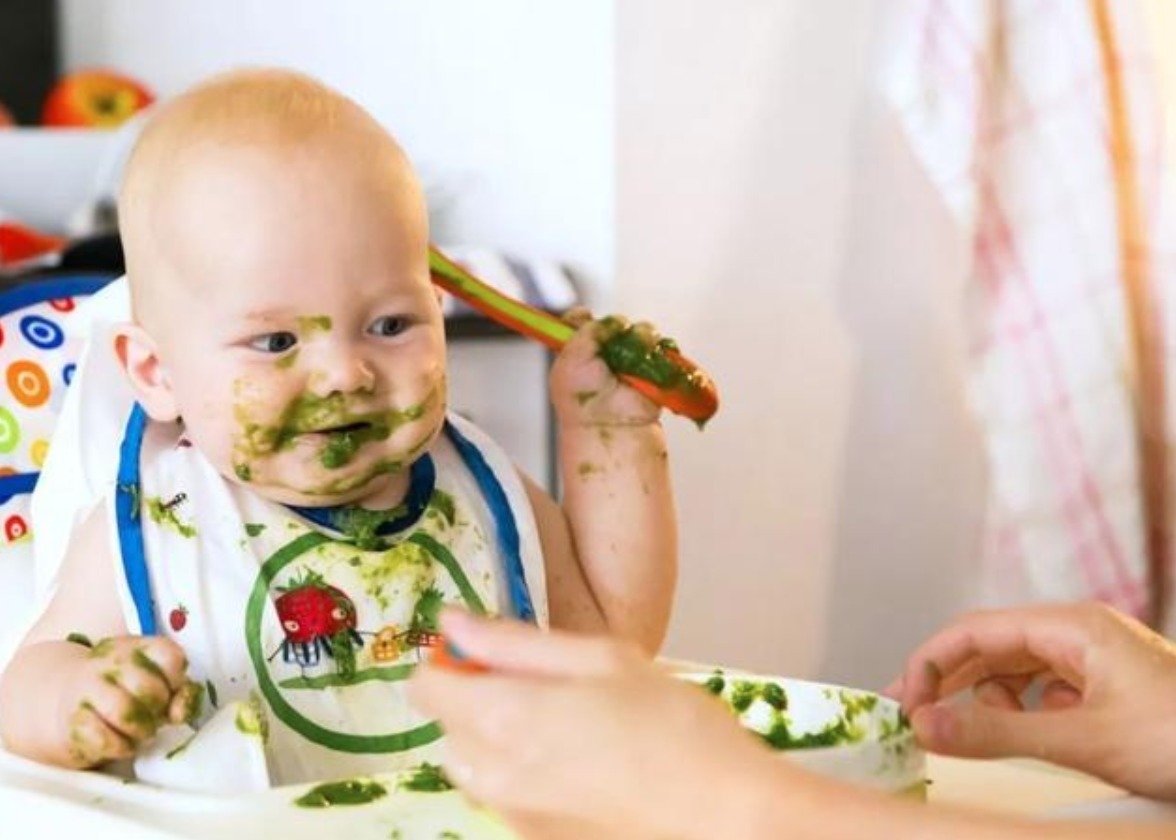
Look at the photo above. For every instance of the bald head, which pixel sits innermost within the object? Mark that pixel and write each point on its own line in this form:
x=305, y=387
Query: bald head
x=271, y=117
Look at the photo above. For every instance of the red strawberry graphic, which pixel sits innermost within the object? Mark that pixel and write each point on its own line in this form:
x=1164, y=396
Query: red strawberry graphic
x=317, y=618
x=178, y=618
x=314, y=609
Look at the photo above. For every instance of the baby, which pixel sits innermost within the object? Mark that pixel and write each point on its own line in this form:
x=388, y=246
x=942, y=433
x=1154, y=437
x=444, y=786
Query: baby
x=293, y=503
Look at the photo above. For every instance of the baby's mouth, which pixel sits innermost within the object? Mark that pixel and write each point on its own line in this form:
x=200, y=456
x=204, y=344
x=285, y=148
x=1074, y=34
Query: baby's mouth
x=346, y=428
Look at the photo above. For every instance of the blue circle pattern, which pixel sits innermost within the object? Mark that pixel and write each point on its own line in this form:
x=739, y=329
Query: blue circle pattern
x=41, y=332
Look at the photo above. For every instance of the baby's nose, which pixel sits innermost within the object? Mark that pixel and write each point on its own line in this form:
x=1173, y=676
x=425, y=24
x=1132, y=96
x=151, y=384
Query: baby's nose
x=343, y=374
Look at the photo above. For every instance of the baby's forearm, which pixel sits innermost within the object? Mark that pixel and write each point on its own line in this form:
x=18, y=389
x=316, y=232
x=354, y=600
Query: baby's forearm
x=619, y=503
x=34, y=714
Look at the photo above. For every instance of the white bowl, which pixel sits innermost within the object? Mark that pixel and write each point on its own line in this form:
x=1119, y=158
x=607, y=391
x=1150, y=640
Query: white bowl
x=845, y=733
x=49, y=176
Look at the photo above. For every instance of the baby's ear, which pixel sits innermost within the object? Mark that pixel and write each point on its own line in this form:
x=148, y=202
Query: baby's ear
x=140, y=361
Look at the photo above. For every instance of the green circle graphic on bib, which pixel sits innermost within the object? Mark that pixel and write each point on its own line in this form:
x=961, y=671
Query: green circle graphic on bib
x=259, y=602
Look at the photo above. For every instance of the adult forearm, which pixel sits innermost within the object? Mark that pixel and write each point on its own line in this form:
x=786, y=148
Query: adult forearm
x=784, y=804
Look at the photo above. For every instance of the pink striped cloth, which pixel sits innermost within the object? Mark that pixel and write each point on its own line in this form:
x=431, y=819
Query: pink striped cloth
x=1038, y=121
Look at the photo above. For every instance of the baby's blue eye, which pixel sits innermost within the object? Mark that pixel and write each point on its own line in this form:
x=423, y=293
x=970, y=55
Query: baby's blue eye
x=389, y=325
x=276, y=342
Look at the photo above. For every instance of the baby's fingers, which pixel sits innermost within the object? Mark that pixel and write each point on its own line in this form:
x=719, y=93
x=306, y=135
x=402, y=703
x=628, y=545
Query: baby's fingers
x=577, y=316
x=646, y=333
x=135, y=718
x=186, y=704
x=165, y=658
x=142, y=679
x=93, y=741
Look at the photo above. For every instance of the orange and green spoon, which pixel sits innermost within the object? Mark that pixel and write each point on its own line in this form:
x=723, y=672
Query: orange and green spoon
x=658, y=371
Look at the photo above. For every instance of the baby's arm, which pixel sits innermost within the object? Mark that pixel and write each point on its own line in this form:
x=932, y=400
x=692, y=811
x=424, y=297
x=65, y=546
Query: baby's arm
x=611, y=551
x=63, y=702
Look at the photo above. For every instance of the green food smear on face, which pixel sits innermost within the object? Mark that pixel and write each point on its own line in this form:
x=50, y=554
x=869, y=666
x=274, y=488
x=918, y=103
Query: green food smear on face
x=346, y=792
x=314, y=323
x=287, y=361
x=162, y=514
x=625, y=351
x=426, y=778
x=243, y=472
x=342, y=445
x=346, y=485
x=346, y=431
x=339, y=449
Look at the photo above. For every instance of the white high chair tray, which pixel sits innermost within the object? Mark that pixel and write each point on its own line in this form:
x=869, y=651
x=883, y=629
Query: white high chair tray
x=853, y=735
x=38, y=801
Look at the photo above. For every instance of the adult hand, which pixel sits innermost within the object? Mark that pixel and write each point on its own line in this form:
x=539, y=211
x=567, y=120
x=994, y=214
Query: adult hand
x=571, y=736
x=1107, y=702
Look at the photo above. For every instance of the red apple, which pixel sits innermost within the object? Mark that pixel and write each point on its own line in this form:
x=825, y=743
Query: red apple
x=6, y=118
x=19, y=243
x=94, y=99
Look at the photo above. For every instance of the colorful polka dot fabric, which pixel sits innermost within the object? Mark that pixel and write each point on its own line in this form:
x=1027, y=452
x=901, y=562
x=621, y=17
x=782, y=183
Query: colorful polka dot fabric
x=37, y=360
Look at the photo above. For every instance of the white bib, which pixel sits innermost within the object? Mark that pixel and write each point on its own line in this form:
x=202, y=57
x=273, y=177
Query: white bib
x=319, y=615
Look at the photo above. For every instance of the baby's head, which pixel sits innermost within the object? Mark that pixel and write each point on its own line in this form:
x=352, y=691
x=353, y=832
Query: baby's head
x=277, y=252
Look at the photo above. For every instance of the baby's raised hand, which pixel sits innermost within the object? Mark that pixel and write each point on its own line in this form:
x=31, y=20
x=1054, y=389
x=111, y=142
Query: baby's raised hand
x=583, y=388
x=121, y=692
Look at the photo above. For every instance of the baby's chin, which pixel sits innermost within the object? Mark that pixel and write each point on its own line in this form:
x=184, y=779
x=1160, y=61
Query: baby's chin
x=378, y=490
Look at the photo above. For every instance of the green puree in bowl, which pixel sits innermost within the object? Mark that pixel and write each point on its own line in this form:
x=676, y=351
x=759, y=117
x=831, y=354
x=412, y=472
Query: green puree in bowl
x=849, y=728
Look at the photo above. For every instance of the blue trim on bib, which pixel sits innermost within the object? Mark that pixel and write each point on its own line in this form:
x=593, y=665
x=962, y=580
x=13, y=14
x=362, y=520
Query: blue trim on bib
x=128, y=518
x=506, y=529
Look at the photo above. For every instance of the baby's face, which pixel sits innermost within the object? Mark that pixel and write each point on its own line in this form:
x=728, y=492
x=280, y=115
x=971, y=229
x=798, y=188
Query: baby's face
x=304, y=346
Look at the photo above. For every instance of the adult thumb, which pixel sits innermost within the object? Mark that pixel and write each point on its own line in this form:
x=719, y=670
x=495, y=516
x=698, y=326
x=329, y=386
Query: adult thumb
x=974, y=730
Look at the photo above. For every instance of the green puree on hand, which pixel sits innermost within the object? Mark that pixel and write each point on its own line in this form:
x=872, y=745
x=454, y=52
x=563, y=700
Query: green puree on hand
x=625, y=352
